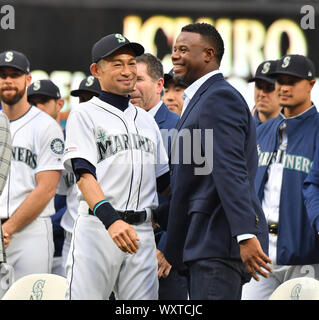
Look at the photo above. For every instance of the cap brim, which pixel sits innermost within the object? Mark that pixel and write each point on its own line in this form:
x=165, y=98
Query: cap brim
x=42, y=93
x=267, y=79
x=136, y=47
x=276, y=74
x=12, y=65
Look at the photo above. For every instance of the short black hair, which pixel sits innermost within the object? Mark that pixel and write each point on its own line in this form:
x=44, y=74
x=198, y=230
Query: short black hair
x=211, y=34
x=154, y=65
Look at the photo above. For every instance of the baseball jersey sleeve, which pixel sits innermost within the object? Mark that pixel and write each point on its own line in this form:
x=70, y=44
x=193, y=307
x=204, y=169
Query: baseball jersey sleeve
x=80, y=141
x=162, y=159
x=51, y=148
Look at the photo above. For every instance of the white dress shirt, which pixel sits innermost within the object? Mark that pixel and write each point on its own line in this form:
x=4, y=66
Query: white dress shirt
x=154, y=110
x=190, y=91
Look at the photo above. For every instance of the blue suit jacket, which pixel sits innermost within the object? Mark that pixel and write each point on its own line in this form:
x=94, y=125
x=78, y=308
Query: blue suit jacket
x=207, y=212
x=165, y=119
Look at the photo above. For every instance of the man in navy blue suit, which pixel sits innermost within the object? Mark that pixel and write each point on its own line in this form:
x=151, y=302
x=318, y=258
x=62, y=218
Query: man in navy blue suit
x=147, y=95
x=216, y=227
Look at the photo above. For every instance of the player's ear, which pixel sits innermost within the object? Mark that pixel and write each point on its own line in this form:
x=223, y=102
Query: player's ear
x=209, y=54
x=28, y=79
x=94, y=68
x=60, y=103
x=312, y=83
x=160, y=85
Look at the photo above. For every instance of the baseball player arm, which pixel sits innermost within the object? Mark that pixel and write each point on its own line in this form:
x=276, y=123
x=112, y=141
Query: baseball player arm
x=122, y=233
x=35, y=202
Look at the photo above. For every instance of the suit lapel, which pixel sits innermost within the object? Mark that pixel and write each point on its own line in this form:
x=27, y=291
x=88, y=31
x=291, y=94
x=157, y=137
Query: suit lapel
x=196, y=97
x=192, y=103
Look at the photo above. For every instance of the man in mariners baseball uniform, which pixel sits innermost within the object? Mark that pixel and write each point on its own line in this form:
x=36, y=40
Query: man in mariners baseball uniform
x=117, y=155
x=265, y=93
x=46, y=96
x=286, y=148
x=26, y=203
x=88, y=88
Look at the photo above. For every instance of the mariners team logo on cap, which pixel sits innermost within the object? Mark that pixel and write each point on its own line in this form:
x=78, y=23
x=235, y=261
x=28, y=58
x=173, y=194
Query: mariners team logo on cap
x=57, y=146
x=89, y=81
x=36, y=85
x=8, y=56
x=286, y=62
x=266, y=67
x=119, y=38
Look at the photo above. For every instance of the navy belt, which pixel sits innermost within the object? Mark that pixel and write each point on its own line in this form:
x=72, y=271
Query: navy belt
x=130, y=216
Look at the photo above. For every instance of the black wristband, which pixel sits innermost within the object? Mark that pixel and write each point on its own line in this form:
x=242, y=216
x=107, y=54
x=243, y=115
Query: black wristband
x=107, y=214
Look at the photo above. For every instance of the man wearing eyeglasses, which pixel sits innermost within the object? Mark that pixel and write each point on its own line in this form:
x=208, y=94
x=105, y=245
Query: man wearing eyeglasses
x=286, y=148
x=265, y=94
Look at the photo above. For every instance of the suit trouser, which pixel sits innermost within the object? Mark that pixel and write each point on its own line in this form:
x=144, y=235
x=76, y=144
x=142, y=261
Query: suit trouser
x=173, y=287
x=217, y=279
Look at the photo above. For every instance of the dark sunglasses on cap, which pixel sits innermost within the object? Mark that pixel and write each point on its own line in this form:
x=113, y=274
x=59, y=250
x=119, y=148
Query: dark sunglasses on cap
x=265, y=86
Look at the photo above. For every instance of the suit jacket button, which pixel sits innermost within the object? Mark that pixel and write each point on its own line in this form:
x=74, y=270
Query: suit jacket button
x=257, y=221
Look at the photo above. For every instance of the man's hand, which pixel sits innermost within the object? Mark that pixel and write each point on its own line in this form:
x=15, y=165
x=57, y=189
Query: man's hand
x=254, y=258
x=6, y=235
x=124, y=236
x=164, y=267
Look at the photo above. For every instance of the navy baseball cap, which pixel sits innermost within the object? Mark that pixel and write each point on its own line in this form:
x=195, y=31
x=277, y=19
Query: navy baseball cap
x=112, y=42
x=15, y=59
x=265, y=71
x=170, y=76
x=45, y=88
x=296, y=65
x=90, y=84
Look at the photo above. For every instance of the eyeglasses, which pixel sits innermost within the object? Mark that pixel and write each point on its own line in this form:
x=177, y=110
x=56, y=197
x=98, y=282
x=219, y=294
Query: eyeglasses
x=265, y=86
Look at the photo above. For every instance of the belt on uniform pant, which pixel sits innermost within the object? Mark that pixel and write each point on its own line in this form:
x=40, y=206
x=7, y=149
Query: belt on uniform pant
x=273, y=228
x=131, y=216
x=4, y=220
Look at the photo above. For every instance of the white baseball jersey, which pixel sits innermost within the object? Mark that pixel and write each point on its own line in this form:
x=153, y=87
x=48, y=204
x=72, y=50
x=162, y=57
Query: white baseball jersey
x=68, y=187
x=37, y=145
x=126, y=149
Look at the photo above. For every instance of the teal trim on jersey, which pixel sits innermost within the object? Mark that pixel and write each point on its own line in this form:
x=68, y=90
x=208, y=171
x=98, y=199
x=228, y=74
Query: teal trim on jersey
x=98, y=204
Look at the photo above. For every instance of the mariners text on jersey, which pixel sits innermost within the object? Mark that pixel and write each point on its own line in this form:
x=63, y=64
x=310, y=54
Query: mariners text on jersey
x=289, y=161
x=109, y=145
x=24, y=155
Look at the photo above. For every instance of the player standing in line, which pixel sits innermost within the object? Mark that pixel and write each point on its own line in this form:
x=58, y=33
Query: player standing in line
x=26, y=203
x=88, y=88
x=117, y=155
x=265, y=93
x=286, y=148
x=46, y=96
